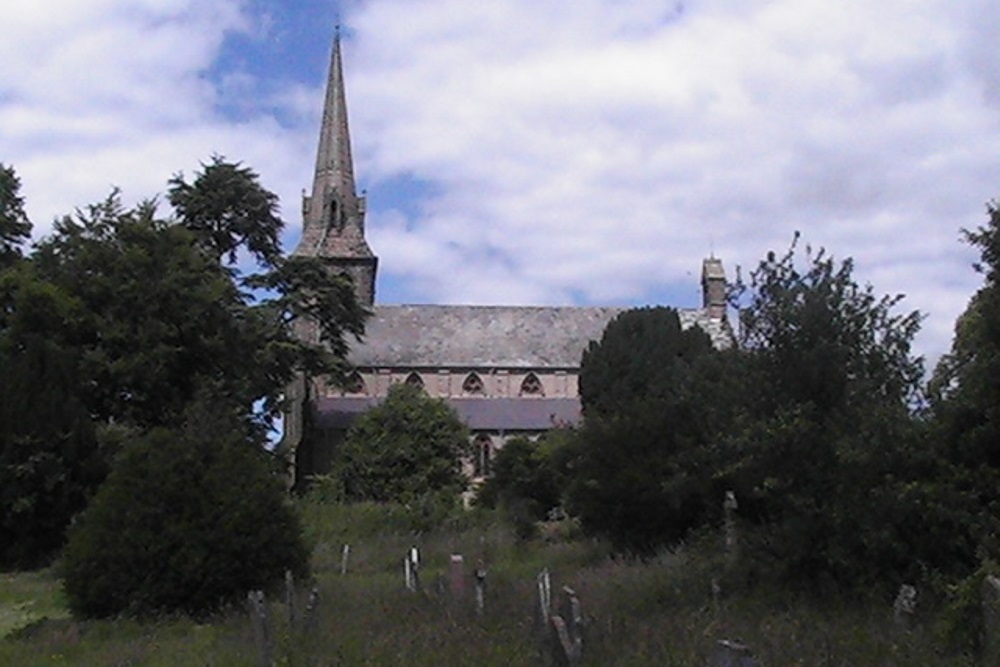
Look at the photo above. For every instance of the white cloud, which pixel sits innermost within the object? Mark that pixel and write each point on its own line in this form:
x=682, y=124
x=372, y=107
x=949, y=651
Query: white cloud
x=593, y=150
x=601, y=152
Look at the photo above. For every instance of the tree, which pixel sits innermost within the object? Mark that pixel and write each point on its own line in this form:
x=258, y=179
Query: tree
x=226, y=207
x=526, y=476
x=15, y=228
x=50, y=463
x=408, y=446
x=189, y=520
x=159, y=318
x=829, y=425
x=635, y=472
x=637, y=359
x=966, y=393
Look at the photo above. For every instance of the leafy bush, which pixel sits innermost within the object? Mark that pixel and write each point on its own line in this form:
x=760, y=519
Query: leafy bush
x=405, y=448
x=526, y=476
x=187, y=521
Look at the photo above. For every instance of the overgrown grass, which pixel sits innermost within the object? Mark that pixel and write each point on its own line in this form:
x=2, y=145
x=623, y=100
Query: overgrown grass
x=659, y=612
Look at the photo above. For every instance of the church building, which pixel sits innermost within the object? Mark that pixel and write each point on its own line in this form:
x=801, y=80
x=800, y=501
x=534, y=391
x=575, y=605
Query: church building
x=506, y=370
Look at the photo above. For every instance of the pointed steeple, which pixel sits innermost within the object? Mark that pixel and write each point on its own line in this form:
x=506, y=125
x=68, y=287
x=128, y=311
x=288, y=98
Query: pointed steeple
x=333, y=216
x=334, y=166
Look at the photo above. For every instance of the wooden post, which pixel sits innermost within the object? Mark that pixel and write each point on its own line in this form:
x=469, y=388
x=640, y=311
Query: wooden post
x=261, y=626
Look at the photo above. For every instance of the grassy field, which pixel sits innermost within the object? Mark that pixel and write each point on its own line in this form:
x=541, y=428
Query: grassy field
x=660, y=613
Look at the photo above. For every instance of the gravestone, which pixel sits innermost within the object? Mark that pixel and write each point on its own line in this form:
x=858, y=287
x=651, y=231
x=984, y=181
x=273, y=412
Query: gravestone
x=456, y=576
x=732, y=654
x=991, y=619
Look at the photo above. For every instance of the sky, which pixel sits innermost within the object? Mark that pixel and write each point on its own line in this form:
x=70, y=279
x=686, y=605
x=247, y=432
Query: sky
x=543, y=151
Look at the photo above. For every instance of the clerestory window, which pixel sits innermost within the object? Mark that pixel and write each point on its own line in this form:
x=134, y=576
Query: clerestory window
x=473, y=384
x=531, y=386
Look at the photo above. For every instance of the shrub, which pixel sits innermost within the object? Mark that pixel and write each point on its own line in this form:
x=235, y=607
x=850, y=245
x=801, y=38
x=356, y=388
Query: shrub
x=405, y=448
x=187, y=521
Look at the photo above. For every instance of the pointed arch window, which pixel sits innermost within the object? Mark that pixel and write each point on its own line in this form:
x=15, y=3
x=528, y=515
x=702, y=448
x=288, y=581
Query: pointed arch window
x=414, y=380
x=482, y=464
x=473, y=384
x=532, y=386
x=355, y=384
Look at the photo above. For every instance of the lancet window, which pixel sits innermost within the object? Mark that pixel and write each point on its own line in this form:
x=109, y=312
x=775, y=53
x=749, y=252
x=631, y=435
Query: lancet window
x=473, y=384
x=414, y=380
x=355, y=384
x=482, y=464
x=532, y=386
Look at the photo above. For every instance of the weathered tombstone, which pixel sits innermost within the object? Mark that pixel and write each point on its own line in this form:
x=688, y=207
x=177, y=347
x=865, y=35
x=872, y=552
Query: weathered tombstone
x=905, y=606
x=309, y=616
x=542, y=612
x=732, y=654
x=415, y=567
x=480, y=588
x=544, y=583
x=411, y=570
x=567, y=632
x=456, y=576
x=729, y=507
x=991, y=619
x=344, y=557
x=290, y=597
x=261, y=626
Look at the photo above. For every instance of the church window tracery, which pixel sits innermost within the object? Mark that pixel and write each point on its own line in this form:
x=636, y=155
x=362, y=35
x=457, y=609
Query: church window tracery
x=473, y=384
x=532, y=386
x=414, y=380
x=355, y=384
x=482, y=464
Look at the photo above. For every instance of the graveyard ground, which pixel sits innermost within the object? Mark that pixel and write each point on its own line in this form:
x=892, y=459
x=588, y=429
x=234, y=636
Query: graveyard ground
x=661, y=612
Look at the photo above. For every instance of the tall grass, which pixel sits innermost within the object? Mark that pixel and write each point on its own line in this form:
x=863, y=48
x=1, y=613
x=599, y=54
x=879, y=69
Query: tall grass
x=658, y=612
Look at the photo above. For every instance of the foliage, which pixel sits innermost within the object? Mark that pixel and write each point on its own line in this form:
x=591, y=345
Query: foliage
x=14, y=225
x=49, y=459
x=637, y=359
x=966, y=395
x=526, y=475
x=403, y=449
x=656, y=612
x=226, y=207
x=828, y=428
x=120, y=319
x=189, y=520
x=636, y=475
x=158, y=320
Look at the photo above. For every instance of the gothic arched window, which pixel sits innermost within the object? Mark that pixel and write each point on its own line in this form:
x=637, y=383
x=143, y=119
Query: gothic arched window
x=532, y=386
x=355, y=384
x=482, y=464
x=473, y=384
x=414, y=380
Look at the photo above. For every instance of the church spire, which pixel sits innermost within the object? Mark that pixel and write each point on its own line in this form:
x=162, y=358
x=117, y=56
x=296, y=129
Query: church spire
x=334, y=166
x=333, y=216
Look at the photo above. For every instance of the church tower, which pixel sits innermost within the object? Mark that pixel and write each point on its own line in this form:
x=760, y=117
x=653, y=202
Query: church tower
x=333, y=216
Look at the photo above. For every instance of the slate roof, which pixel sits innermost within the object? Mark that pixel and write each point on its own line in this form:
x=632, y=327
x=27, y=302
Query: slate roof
x=495, y=336
x=479, y=414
